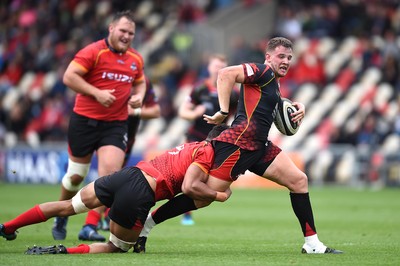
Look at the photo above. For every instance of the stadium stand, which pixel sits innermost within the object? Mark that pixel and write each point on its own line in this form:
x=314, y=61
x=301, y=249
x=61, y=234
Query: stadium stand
x=346, y=70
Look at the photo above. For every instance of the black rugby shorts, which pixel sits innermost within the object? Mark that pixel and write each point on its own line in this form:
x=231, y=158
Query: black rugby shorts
x=271, y=151
x=86, y=135
x=231, y=161
x=128, y=195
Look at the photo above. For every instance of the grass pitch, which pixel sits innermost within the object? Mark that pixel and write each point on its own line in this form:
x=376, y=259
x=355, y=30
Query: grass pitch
x=255, y=227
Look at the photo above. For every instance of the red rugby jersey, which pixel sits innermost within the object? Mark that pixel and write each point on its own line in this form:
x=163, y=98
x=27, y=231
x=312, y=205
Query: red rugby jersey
x=108, y=70
x=170, y=167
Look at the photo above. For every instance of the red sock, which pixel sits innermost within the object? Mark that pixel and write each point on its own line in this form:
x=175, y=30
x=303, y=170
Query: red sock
x=81, y=249
x=31, y=216
x=93, y=218
x=105, y=214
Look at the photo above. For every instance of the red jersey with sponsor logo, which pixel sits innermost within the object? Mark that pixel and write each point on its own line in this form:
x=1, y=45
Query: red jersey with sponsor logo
x=169, y=168
x=108, y=70
x=256, y=110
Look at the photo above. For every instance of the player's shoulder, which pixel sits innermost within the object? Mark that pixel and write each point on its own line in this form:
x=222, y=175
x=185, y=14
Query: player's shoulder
x=133, y=52
x=256, y=67
x=256, y=72
x=203, y=148
x=97, y=45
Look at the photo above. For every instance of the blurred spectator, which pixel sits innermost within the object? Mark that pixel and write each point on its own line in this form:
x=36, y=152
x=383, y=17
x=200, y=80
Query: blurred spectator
x=41, y=36
x=190, y=11
x=371, y=55
x=52, y=122
x=239, y=50
x=289, y=25
x=391, y=73
x=367, y=135
x=18, y=117
x=309, y=68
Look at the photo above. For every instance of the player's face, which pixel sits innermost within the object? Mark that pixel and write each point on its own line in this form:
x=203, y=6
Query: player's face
x=279, y=60
x=121, y=34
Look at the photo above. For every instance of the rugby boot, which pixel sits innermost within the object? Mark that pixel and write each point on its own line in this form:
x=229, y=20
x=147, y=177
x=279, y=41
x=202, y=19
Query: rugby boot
x=104, y=224
x=59, y=229
x=140, y=245
x=187, y=219
x=320, y=249
x=35, y=250
x=89, y=233
x=11, y=236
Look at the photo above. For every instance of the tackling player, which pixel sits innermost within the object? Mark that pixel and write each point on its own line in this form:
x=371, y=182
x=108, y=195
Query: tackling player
x=129, y=193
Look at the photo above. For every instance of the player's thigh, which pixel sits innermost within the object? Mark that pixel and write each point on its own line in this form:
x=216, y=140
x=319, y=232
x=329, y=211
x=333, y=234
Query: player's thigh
x=110, y=159
x=88, y=196
x=283, y=171
x=82, y=160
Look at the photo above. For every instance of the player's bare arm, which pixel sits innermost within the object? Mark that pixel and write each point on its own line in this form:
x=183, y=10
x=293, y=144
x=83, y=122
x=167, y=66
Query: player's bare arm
x=139, y=90
x=227, y=78
x=73, y=78
x=194, y=186
x=189, y=111
x=146, y=112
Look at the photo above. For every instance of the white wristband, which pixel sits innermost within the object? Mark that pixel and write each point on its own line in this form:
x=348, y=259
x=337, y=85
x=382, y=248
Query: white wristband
x=137, y=112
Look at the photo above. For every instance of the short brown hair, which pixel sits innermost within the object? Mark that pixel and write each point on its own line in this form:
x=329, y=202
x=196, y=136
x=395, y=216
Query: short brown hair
x=127, y=14
x=215, y=131
x=278, y=41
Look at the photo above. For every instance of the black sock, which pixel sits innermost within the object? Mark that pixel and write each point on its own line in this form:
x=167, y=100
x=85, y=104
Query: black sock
x=302, y=208
x=172, y=208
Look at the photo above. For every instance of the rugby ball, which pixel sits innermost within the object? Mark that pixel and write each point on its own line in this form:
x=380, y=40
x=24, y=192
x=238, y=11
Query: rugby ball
x=283, y=120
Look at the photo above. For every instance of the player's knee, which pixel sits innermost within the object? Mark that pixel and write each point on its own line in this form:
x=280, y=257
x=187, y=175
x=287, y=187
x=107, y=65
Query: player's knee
x=299, y=183
x=120, y=245
x=78, y=205
x=109, y=166
x=76, y=173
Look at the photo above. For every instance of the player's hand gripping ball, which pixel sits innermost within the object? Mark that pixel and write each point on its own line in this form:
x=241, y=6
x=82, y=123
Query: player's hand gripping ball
x=283, y=119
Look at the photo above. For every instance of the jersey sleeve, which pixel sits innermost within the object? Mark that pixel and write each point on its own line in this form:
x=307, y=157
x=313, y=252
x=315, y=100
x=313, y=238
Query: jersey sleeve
x=140, y=67
x=86, y=57
x=150, y=98
x=259, y=74
x=204, y=158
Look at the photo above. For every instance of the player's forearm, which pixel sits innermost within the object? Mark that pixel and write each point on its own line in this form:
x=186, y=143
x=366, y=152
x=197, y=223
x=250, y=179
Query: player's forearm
x=200, y=191
x=187, y=111
x=139, y=89
x=150, y=112
x=76, y=83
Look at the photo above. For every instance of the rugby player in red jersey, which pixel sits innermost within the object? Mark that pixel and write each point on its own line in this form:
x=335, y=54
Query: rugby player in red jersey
x=129, y=193
x=106, y=75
